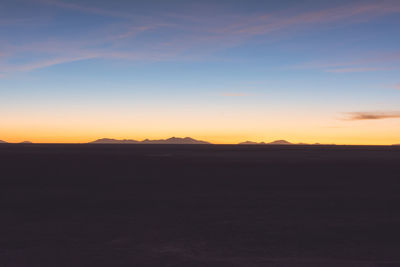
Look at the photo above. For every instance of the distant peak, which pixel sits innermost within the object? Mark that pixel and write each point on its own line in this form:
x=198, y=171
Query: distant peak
x=3, y=142
x=280, y=142
x=276, y=142
x=113, y=141
x=176, y=140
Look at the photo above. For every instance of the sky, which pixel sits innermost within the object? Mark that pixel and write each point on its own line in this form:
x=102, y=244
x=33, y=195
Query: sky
x=223, y=71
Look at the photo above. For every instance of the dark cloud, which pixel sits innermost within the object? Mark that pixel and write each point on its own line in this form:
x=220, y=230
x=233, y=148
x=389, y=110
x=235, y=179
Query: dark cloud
x=354, y=116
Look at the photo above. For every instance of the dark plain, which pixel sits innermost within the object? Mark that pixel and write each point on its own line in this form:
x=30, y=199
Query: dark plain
x=199, y=205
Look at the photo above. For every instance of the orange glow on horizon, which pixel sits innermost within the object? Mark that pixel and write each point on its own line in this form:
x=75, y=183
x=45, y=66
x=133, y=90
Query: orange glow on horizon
x=218, y=128
x=59, y=137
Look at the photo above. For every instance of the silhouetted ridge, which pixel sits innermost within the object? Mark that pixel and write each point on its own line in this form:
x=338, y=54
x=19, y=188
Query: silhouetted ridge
x=172, y=140
x=176, y=140
x=26, y=142
x=3, y=142
x=280, y=142
x=277, y=142
x=251, y=143
x=114, y=141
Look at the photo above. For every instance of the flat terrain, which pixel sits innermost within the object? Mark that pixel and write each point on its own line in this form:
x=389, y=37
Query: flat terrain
x=199, y=206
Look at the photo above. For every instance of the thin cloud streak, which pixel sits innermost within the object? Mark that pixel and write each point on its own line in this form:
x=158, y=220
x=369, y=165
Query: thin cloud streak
x=355, y=116
x=367, y=59
x=267, y=23
x=258, y=24
x=42, y=64
x=5, y=70
x=11, y=22
x=80, y=8
x=369, y=63
x=351, y=70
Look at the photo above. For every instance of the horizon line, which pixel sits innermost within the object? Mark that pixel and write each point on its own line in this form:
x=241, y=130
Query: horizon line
x=187, y=140
x=195, y=144
x=209, y=144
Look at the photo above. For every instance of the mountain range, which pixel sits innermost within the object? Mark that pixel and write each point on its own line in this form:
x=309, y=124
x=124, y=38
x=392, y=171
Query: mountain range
x=24, y=142
x=277, y=142
x=114, y=141
x=178, y=140
x=172, y=140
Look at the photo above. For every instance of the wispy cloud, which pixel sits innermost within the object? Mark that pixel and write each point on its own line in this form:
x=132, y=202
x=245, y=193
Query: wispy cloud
x=363, y=60
x=367, y=63
x=134, y=30
x=255, y=24
x=269, y=22
x=4, y=70
x=13, y=21
x=354, y=116
x=350, y=70
x=52, y=62
x=187, y=34
x=82, y=8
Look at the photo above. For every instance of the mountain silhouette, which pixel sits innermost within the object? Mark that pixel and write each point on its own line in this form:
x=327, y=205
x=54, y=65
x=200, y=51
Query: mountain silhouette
x=175, y=140
x=280, y=142
x=26, y=142
x=3, y=142
x=172, y=140
x=114, y=141
x=276, y=142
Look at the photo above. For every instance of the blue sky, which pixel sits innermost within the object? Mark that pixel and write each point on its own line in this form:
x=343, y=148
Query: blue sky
x=323, y=71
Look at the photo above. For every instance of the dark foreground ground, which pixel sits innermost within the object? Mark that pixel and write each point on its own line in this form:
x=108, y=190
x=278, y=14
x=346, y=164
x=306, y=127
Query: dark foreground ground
x=199, y=206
